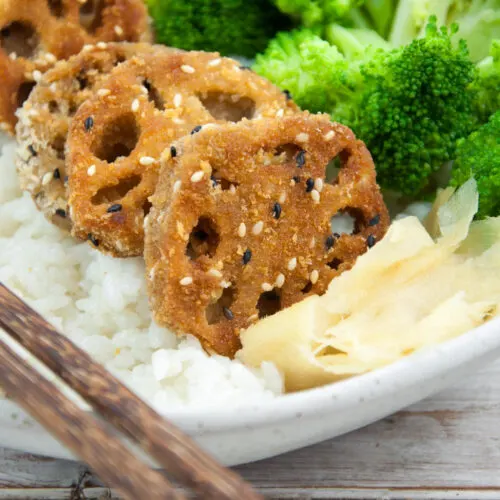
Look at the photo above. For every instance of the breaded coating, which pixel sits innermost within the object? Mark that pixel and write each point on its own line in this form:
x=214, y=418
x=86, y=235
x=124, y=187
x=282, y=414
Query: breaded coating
x=34, y=34
x=44, y=121
x=116, y=140
x=240, y=226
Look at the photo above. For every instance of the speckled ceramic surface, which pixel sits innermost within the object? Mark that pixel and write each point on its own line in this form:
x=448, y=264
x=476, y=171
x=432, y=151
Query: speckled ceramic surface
x=243, y=435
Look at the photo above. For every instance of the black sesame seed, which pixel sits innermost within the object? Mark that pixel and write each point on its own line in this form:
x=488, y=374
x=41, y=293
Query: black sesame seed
x=247, y=256
x=31, y=149
x=173, y=151
x=246, y=68
x=370, y=241
x=330, y=241
x=288, y=94
x=57, y=174
x=66, y=179
x=89, y=123
x=296, y=178
x=309, y=185
x=374, y=221
x=114, y=208
x=93, y=239
x=336, y=235
x=228, y=313
x=276, y=210
x=214, y=180
x=301, y=159
x=61, y=213
x=196, y=129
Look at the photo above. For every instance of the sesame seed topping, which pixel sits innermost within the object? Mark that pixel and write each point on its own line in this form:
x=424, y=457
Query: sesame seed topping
x=228, y=313
x=101, y=45
x=91, y=170
x=280, y=280
x=296, y=179
x=267, y=287
x=276, y=210
x=374, y=221
x=61, y=213
x=225, y=284
x=315, y=196
x=288, y=94
x=282, y=197
x=232, y=189
x=196, y=129
x=318, y=185
x=46, y=178
x=118, y=30
x=146, y=160
x=292, y=264
x=242, y=230
x=247, y=256
x=214, y=62
x=370, y=241
x=177, y=186
x=33, y=113
x=31, y=149
x=178, y=121
x=37, y=75
x=186, y=281
x=280, y=113
x=215, y=273
x=302, y=137
x=114, y=208
x=314, y=276
x=257, y=228
x=301, y=159
x=51, y=58
x=177, y=100
x=330, y=241
x=56, y=174
x=197, y=176
x=53, y=87
x=309, y=185
x=173, y=151
x=103, y=92
x=13, y=56
x=93, y=239
x=329, y=135
x=187, y=69
x=135, y=105
x=89, y=123
x=312, y=243
x=87, y=47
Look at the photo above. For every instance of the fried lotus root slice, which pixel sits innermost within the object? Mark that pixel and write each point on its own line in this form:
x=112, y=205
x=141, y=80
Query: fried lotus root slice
x=240, y=226
x=116, y=141
x=44, y=120
x=34, y=34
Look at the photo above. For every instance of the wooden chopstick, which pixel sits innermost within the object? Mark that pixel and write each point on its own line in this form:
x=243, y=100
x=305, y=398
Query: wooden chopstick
x=173, y=450
x=81, y=432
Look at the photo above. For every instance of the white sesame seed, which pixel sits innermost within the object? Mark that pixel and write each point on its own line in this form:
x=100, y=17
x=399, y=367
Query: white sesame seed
x=197, y=176
x=214, y=62
x=87, y=47
x=329, y=135
x=37, y=75
x=318, y=185
x=302, y=137
x=292, y=264
x=225, y=284
x=215, y=273
x=187, y=69
x=32, y=112
x=47, y=178
x=312, y=243
x=177, y=100
x=103, y=92
x=280, y=280
x=257, y=228
x=315, y=196
x=187, y=280
x=267, y=287
x=13, y=56
x=51, y=58
x=280, y=113
x=242, y=230
x=146, y=160
x=101, y=45
x=178, y=121
x=91, y=170
x=314, y=277
x=118, y=30
x=177, y=186
x=232, y=189
x=144, y=90
x=282, y=197
x=135, y=105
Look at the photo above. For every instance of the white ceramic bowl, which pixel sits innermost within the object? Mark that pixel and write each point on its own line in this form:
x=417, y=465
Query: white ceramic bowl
x=237, y=436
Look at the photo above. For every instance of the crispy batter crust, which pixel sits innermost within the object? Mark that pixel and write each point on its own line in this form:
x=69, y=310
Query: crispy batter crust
x=153, y=101
x=221, y=253
x=34, y=34
x=44, y=121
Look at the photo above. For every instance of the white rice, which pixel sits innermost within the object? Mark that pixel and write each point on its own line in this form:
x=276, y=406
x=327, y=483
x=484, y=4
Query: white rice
x=101, y=304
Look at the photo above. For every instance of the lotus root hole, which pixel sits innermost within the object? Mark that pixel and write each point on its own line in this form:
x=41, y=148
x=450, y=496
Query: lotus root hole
x=307, y=288
x=154, y=95
x=227, y=107
x=221, y=309
x=218, y=180
x=24, y=92
x=118, y=140
x=343, y=223
x=146, y=207
x=203, y=240
x=269, y=303
x=332, y=170
x=91, y=15
x=110, y=194
x=56, y=8
x=335, y=264
x=287, y=153
x=58, y=144
x=19, y=38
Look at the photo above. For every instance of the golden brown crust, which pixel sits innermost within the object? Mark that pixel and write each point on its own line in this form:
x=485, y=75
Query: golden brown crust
x=44, y=121
x=153, y=101
x=34, y=34
x=225, y=255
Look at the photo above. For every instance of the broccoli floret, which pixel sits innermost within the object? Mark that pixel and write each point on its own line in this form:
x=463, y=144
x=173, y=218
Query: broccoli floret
x=479, y=21
x=487, y=84
x=232, y=27
x=478, y=156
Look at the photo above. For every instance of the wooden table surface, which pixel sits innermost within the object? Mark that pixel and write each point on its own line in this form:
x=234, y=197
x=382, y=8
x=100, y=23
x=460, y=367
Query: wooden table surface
x=447, y=447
